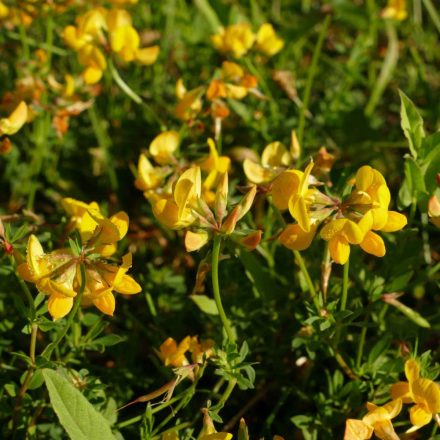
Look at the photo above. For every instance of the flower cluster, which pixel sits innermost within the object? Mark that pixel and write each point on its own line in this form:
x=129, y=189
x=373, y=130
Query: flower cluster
x=111, y=29
x=423, y=393
x=231, y=82
x=238, y=39
x=174, y=354
x=352, y=221
x=181, y=199
x=58, y=273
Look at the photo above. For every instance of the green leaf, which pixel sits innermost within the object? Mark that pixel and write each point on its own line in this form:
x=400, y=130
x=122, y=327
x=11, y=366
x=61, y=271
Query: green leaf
x=76, y=414
x=414, y=316
x=412, y=124
x=205, y=304
x=208, y=12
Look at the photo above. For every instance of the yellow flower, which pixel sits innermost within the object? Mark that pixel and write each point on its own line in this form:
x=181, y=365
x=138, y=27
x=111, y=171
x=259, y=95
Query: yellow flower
x=149, y=177
x=340, y=233
x=125, y=41
x=93, y=58
x=178, y=212
x=58, y=274
x=274, y=160
x=163, y=146
x=215, y=166
x=200, y=350
x=377, y=420
x=295, y=238
x=171, y=353
x=236, y=38
x=267, y=40
x=15, y=120
x=53, y=274
x=189, y=104
x=423, y=392
x=209, y=432
x=395, y=10
x=291, y=191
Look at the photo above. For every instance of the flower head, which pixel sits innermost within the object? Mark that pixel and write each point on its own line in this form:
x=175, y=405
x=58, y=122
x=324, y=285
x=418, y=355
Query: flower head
x=58, y=275
x=377, y=420
x=424, y=393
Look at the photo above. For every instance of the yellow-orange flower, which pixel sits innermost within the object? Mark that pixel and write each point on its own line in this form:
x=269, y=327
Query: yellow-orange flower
x=15, y=120
x=424, y=393
x=377, y=420
x=395, y=10
x=291, y=191
x=58, y=275
x=236, y=38
x=267, y=40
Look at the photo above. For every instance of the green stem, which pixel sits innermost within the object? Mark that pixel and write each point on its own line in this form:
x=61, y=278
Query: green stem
x=132, y=94
x=47, y=352
x=49, y=39
x=345, y=285
x=27, y=379
x=433, y=13
x=311, y=287
x=225, y=396
x=310, y=78
x=216, y=288
x=361, y=345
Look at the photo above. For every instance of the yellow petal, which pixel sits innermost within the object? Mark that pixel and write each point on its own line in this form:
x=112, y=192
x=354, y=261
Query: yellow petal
x=400, y=390
x=109, y=231
x=412, y=370
x=339, y=249
x=167, y=212
x=120, y=220
x=393, y=408
x=267, y=40
x=395, y=222
x=275, y=155
x=284, y=187
x=59, y=306
x=148, y=55
x=357, y=430
x=195, y=240
x=163, y=146
x=105, y=303
x=419, y=416
x=299, y=211
x=385, y=430
x=34, y=257
x=127, y=286
x=15, y=121
x=332, y=228
x=427, y=392
x=187, y=189
x=25, y=273
x=92, y=75
x=295, y=238
x=217, y=436
x=235, y=92
x=364, y=178
x=148, y=177
x=373, y=244
x=352, y=233
x=257, y=174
